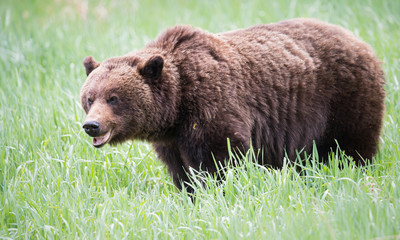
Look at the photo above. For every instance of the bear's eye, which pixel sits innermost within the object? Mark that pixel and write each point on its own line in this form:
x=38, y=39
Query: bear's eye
x=112, y=100
x=90, y=101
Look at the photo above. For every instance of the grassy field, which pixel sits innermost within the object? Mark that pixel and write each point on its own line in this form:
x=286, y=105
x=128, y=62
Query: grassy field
x=55, y=185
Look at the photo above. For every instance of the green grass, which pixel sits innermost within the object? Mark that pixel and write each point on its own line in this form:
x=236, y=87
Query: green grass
x=54, y=184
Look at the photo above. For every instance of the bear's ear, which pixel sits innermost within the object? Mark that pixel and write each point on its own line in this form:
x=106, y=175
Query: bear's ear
x=152, y=68
x=90, y=64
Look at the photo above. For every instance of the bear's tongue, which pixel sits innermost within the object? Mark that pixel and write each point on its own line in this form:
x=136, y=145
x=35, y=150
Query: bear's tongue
x=101, y=140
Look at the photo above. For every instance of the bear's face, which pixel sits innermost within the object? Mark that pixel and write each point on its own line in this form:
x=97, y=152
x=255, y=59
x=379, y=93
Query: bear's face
x=118, y=98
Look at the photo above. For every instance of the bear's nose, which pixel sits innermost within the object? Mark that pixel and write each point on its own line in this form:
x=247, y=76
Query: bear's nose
x=92, y=128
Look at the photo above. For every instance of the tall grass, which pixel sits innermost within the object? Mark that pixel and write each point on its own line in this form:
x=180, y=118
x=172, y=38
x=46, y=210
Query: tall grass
x=53, y=184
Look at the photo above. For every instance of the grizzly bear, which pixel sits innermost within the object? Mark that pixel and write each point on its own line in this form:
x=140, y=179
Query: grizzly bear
x=277, y=88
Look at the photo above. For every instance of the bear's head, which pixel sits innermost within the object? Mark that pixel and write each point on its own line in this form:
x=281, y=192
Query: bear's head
x=128, y=97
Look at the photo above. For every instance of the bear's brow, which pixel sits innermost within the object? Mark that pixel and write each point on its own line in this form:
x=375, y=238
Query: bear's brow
x=111, y=66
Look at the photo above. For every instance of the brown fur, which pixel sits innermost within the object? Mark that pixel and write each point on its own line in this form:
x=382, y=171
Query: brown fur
x=277, y=87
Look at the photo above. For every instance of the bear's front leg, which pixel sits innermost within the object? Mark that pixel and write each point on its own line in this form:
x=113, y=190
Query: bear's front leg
x=209, y=152
x=170, y=155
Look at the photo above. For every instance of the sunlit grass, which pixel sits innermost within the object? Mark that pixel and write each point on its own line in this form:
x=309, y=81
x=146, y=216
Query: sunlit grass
x=54, y=184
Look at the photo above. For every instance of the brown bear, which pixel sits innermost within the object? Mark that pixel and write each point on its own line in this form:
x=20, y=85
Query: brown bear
x=277, y=88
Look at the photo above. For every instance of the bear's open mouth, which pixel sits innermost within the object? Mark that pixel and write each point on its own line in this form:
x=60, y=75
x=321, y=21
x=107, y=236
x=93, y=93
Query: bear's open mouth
x=102, y=140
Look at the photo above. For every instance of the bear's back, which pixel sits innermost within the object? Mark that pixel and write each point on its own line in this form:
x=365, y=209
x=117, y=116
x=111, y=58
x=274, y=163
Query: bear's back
x=309, y=81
